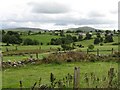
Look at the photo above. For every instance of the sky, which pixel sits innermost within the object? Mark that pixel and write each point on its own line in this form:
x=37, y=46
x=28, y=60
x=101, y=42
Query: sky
x=59, y=14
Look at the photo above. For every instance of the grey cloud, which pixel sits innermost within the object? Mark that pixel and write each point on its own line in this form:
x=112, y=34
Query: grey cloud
x=83, y=21
x=96, y=14
x=58, y=21
x=114, y=11
x=49, y=8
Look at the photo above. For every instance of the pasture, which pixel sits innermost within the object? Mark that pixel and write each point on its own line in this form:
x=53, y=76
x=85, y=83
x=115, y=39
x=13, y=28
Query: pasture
x=105, y=49
x=31, y=73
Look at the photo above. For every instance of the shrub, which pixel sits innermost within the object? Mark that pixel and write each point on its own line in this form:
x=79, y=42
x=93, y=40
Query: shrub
x=29, y=41
x=91, y=47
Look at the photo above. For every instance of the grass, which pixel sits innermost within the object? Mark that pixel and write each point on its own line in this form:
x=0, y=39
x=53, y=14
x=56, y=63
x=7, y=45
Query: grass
x=26, y=56
x=31, y=73
x=106, y=46
x=31, y=47
x=44, y=38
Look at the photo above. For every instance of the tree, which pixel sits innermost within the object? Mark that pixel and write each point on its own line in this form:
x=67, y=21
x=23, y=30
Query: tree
x=61, y=33
x=96, y=40
x=98, y=34
x=66, y=47
x=11, y=38
x=3, y=32
x=74, y=39
x=29, y=32
x=108, y=38
x=91, y=47
x=29, y=41
x=88, y=35
x=80, y=37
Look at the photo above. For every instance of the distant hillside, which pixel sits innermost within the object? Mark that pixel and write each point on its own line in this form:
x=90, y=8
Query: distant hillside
x=86, y=29
x=25, y=29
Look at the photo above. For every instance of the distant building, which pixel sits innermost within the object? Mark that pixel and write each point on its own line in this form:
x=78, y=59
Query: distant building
x=81, y=33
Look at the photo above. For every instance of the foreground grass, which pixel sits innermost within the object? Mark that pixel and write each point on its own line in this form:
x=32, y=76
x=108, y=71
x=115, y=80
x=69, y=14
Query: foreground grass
x=31, y=73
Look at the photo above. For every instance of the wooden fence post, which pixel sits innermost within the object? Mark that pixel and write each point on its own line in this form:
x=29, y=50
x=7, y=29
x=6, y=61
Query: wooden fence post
x=110, y=75
x=7, y=49
x=112, y=50
x=16, y=48
x=33, y=87
x=97, y=52
x=39, y=48
x=76, y=77
x=87, y=51
x=37, y=55
x=20, y=85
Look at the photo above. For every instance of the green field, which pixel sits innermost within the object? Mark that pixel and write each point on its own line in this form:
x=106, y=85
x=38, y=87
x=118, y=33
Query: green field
x=30, y=47
x=31, y=73
x=26, y=56
x=105, y=49
x=44, y=38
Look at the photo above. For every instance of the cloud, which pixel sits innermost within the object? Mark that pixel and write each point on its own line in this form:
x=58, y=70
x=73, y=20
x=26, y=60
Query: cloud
x=49, y=7
x=96, y=14
x=114, y=11
x=57, y=13
x=66, y=20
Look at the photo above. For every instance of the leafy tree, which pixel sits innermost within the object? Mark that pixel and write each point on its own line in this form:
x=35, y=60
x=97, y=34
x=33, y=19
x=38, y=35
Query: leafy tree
x=11, y=38
x=88, y=36
x=29, y=32
x=91, y=47
x=61, y=33
x=66, y=47
x=29, y=41
x=96, y=40
x=101, y=39
x=3, y=32
x=74, y=39
x=80, y=37
x=108, y=38
x=98, y=34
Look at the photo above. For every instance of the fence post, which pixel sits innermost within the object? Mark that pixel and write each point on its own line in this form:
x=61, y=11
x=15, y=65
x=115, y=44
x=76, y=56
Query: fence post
x=112, y=50
x=33, y=87
x=110, y=75
x=20, y=85
x=87, y=51
x=76, y=77
x=37, y=55
x=16, y=48
x=97, y=52
x=7, y=49
x=39, y=48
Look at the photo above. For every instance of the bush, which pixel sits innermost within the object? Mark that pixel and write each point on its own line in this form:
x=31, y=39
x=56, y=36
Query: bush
x=91, y=47
x=29, y=41
x=67, y=47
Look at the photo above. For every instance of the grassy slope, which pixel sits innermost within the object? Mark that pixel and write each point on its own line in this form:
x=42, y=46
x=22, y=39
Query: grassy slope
x=44, y=38
x=31, y=73
x=30, y=47
x=106, y=46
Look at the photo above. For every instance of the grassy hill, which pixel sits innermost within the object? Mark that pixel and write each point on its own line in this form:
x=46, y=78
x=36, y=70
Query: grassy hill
x=85, y=28
x=24, y=29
